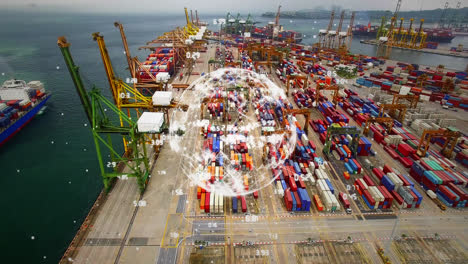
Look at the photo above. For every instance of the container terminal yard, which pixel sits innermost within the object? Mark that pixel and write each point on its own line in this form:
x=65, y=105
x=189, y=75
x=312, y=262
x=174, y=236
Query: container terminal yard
x=260, y=151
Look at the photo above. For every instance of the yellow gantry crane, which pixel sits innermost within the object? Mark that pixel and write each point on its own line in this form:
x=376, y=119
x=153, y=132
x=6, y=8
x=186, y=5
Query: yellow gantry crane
x=418, y=39
x=392, y=109
x=190, y=28
x=388, y=121
x=413, y=99
x=404, y=37
x=126, y=96
x=295, y=77
x=450, y=136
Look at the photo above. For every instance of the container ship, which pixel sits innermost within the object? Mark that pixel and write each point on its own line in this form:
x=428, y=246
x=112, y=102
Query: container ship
x=433, y=34
x=19, y=103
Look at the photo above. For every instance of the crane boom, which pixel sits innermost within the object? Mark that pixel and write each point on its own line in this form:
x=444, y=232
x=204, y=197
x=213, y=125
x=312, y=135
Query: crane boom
x=127, y=51
x=277, y=16
x=442, y=17
x=397, y=9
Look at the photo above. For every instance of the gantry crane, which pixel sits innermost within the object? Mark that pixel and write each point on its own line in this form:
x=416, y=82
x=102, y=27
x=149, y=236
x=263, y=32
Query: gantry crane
x=332, y=130
x=190, y=28
x=447, y=86
x=421, y=79
x=102, y=127
x=134, y=65
x=396, y=36
x=276, y=27
x=418, y=37
x=344, y=42
x=321, y=87
x=404, y=38
x=124, y=95
x=323, y=34
x=264, y=63
x=295, y=77
x=413, y=99
x=207, y=100
x=384, y=47
x=388, y=121
x=335, y=43
x=381, y=31
x=443, y=18
x=305, y=112
x=450, y=136
x=393, y=107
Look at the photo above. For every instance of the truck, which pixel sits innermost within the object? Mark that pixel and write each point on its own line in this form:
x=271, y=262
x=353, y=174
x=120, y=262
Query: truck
x=344, y=200
x=433, y=196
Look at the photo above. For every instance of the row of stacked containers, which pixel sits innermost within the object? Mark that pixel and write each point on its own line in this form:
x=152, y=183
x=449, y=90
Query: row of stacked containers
x=401, y=79
x=161, y=60
x=10, y=110
x=449, y=185
x=430, y=172
x=234, y=143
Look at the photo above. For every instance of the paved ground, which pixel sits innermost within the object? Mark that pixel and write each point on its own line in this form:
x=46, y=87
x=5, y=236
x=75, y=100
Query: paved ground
x=165, y=230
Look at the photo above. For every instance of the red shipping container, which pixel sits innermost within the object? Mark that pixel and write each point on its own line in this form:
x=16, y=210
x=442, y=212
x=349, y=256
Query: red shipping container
x=397, y=197
x=448, y=193
x=298, y=200
x=368, y=180
x=292, y=184
x=369, y=198
x=244, y=204
x=300, y=183
x=387, y=169
x=255, y=195
x=344, y=200
x=378, y=172
x=288, y=199
x=207, y=202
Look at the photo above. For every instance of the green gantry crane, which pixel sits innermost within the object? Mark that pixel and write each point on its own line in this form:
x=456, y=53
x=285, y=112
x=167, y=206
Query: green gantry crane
x=332, y=130
x=94, y=104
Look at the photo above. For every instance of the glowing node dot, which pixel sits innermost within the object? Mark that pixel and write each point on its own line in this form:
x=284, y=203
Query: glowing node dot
x=85, y=124
x=33, y=237
x=58, y=67
x=52, y=142
x=86, y=170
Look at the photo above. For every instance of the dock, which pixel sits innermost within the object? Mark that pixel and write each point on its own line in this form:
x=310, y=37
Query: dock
x=163, y=225
x=443, y=52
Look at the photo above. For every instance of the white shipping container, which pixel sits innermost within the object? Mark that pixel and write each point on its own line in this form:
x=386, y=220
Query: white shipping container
x=364, y=184
x=162, y=98
x=221, y=204
x=212, y=202
x=150, y=122
x=431, y=194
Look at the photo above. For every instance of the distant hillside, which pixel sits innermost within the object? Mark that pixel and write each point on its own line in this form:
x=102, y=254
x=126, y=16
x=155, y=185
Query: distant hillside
x=430, y=16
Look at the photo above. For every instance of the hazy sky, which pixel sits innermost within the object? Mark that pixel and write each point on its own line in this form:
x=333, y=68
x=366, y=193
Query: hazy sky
x=220, y=6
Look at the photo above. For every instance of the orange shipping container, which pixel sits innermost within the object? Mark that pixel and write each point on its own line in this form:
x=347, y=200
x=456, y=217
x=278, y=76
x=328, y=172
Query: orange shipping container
x=221, y=173
x=346, y=175
x=199, y=192
x=202, y=202
x=318, y=202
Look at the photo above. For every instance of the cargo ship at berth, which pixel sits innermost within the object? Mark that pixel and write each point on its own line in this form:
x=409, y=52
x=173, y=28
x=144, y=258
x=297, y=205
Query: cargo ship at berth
x=433, y=34
x=19, y=103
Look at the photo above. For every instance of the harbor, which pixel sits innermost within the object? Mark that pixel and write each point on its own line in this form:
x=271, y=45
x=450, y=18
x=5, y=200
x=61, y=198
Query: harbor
x=212, y=146
x=173, y=222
